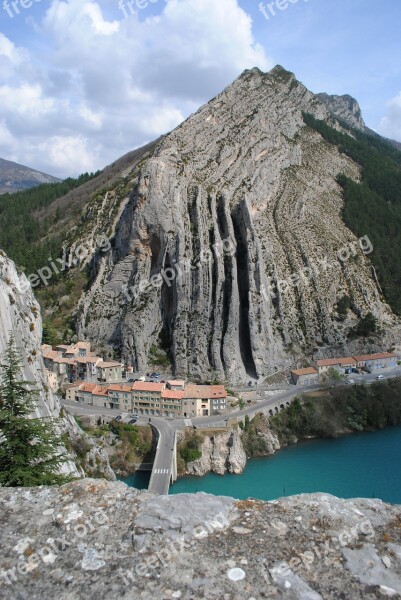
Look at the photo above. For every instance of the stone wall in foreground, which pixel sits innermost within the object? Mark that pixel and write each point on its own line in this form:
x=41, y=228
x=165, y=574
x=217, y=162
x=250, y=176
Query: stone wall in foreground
x=96, y=539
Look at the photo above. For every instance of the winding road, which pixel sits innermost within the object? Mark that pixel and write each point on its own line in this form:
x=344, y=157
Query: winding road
x=163, y=466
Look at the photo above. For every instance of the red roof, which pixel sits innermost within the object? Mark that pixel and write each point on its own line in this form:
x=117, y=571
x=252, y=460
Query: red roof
x=329, y=362
x=173, y=394
x=308, y=371
x=119, y=388
x=88, y=387
x=51, y=354
x=147, y=386
x=203, y=392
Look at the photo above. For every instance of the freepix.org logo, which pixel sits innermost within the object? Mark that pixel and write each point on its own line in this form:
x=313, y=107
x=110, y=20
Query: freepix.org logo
x=14, y=7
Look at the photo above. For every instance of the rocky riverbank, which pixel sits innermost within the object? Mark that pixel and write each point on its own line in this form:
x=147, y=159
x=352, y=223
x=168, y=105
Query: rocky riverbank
x=324, y=414
x=227, y=451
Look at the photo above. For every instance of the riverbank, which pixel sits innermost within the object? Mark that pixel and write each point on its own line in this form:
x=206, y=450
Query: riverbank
x=325, y=414
x=362, y=465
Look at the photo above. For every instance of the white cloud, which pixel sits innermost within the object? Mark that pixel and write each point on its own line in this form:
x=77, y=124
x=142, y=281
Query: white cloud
x=390, y=125
x=110, y=86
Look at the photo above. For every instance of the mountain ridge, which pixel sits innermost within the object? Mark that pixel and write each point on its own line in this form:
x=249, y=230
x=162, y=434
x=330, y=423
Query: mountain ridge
x=246, y=169
x=15, y=177
x=239, y=168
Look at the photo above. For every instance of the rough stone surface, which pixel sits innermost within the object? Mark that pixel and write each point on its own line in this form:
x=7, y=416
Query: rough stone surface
x=240, y=196
x=94, y=539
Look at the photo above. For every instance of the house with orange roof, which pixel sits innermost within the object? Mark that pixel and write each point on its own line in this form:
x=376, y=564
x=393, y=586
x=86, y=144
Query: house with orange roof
x=380, y=360
x=86, y=368
x=341, y=365
x=146, y=398
x=304, y=376
x=108, y=372
x=203, y=400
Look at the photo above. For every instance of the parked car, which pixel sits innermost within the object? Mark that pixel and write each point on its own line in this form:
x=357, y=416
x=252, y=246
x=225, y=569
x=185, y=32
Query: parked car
x=118, y=418
x=350, y=381
x=380, y=377
x=132, y=422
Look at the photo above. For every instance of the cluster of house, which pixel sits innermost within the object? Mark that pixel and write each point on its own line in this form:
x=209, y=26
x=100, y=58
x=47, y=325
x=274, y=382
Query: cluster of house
x=87, y=378
x=344, y=366
x=68, y=364
x=174, y=398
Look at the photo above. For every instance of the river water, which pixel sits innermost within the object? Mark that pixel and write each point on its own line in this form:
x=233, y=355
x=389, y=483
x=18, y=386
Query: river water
x=359, y=465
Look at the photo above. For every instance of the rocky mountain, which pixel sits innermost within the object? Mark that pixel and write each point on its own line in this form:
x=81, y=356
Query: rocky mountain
x=20, y=315
x=105, y=540
x=230, y=252
x=15, y=177
x=345, y=108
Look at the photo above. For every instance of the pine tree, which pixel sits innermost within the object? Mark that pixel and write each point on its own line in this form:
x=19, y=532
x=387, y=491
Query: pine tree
x=29, y=447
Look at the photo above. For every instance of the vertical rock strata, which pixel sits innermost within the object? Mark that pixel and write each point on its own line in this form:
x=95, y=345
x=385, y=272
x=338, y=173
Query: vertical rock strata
x=241, y=195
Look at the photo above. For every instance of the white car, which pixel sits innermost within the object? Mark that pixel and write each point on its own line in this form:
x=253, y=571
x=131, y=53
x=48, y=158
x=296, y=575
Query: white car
x=380, y=377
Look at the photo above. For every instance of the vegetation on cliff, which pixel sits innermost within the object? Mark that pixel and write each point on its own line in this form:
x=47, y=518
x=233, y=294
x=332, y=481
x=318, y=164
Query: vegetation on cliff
x=330, y=413
x=30, y=451
x=254, y=435
x=127, y=445
x=188, y=450
x=372, y=207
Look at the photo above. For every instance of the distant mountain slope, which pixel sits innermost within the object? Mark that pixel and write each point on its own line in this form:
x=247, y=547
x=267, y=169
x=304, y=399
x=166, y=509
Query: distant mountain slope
x=15, y=177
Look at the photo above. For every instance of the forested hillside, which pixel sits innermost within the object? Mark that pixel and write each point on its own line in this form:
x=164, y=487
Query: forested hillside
x=372, y=207
x=23, y=233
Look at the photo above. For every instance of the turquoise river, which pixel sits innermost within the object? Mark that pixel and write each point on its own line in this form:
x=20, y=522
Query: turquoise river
x=359, y=465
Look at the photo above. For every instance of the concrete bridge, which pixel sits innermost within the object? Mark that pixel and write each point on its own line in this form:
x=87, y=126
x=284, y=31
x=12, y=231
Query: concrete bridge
x=164, y=471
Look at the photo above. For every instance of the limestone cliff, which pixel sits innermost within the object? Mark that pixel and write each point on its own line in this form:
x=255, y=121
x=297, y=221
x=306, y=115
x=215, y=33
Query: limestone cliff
x=93, y=539
x=227, y=451
x=236, y=219
x=20, y=315
x=222, y=453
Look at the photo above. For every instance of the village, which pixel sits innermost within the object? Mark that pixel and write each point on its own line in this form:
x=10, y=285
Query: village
x=83, y=377
x=367, y=363
x=87, y=378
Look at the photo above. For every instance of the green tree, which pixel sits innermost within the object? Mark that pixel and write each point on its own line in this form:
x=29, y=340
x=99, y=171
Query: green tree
x=29, y=447
x=366, y=326
x=343, y=305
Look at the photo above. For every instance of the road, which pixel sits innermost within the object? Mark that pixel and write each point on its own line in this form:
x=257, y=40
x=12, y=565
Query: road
x=166, y=428
x=162, y=466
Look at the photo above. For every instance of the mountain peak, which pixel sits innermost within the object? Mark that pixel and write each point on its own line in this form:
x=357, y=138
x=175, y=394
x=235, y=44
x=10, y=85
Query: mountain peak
x=344, y=107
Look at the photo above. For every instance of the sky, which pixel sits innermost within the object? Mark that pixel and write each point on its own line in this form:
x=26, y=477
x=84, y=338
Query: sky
x=82, y=82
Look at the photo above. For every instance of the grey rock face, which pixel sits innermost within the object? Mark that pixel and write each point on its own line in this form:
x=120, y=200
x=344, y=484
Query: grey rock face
x=221, y=453
x=345, y=108
x=20, y=315
x=94, y=539
x=240, y=197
